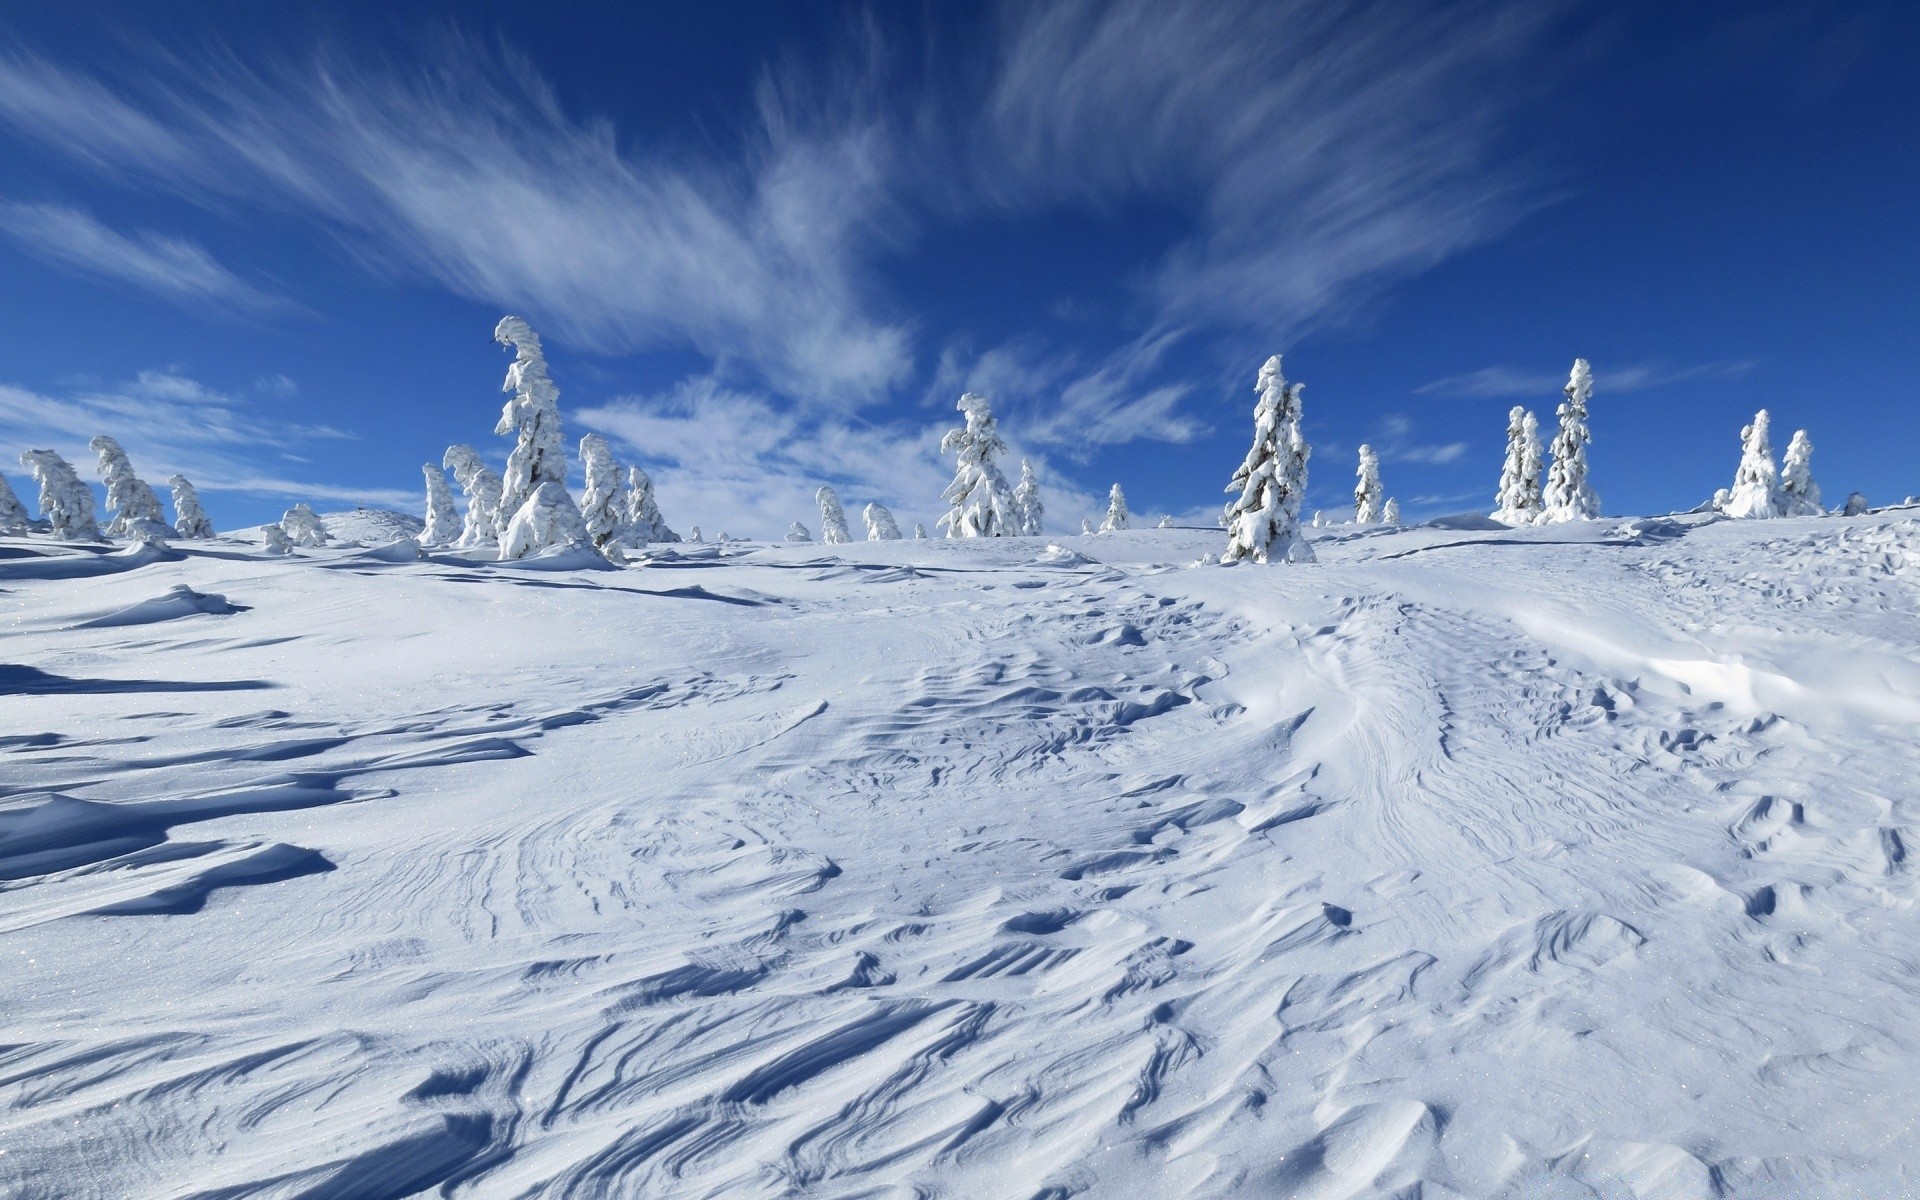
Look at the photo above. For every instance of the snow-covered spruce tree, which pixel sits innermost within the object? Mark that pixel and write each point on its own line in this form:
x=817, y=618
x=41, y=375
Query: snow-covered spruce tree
x=644, y=522
x=982, y=502
x=797, y=532
x=833, y=518
x=65, y=502
x=1391, y=513
x=188, y=516
x=1799, y=494
x=303, y=527
x=1086, y=526
x=276, y=539
x=1263, y=521
x=1165, y=522
x=1568, y=496
x=881, y=526
x=1856, y=505
x=532, y=416
x=1756, y=481
x=1029, y=512
x=14, y=517
x=604, y=510
x=481, y=484
x=693, y=535
x=136, y=510
x=919, y=532
x=549, y=518
x=443, y=515
x=1117, y=515
x=1518, y=502
x=1366, y=492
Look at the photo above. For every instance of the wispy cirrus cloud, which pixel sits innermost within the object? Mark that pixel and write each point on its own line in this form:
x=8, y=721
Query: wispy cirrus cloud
x=1499, y=382
x=168, y=267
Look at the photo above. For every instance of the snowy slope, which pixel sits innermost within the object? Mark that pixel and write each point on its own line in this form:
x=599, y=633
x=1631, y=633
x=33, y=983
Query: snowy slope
x=1564, y=862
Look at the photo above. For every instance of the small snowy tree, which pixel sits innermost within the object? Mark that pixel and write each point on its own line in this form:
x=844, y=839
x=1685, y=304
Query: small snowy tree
x=880, y=524
x=693, y=535
x=797, y=532
x=1799, y=494
x=276, y=539
x=1029, y=512
x=1117, y=515
x=833, y=518
x=982, y=502
x=532, y=416
x=443, y=515
x=1518, y=502
x=1391, y=513
x=188, y=517
x=919, y=532
x=303, y=527
x=548, y=519
x=1856, y=505
x=643, y=514
x=604, y=509
x=481, y=484
x=14, y=517
x=1756, y=481
x=1165, y=522
x=1263, y=521
x=1086, y=526
x=1568, y=496
x=1366, y=492
x=136, y=510
x=65, y=502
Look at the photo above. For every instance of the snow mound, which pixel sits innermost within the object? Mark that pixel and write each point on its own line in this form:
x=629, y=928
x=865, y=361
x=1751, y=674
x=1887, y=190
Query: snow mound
x=371, y=526
x=180, y=601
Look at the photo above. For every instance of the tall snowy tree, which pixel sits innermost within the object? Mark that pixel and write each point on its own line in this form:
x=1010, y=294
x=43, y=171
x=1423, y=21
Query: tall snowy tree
x=548, y=519
x=1518, y=502
x=833, y=518
x=1799, y=494
x=1117, y=515
x=14, y=517
x=643, y=514
x=1029, y=512
x=1756, y=481
x=303, y=526
x=604, y=510
x=1263, y=521
x=982, y=502
x=1568, y=496
x=188, y=517
x=881, y=526
x=797, y=532
x=443, y=515
x=1390, y=515
x=65, y=502
x=1367, y=491
x=481, y=484
x=136, y=510
x=532, y=417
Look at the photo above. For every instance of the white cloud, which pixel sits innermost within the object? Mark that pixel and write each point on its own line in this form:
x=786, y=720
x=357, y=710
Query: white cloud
x=1500, y=382
x=168, y=267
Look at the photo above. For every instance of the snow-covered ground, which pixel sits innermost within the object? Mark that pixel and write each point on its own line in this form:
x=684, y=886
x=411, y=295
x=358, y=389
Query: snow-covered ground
x=1556, y=863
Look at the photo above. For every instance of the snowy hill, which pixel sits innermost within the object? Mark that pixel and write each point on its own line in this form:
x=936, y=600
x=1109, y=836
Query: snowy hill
x=1563, y=862
x=364, y=526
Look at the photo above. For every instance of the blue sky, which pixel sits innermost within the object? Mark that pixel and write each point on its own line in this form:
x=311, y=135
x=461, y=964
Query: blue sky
x=769, y=244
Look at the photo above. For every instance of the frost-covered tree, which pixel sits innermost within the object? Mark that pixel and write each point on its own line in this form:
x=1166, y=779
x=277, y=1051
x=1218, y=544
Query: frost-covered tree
x=1367, y=491
x=797, y=532
x=14, y=517
x=1086, y=526
x=693, y=535
x=303, y=527
x=1263, y=521
x=1117, y=515
x=1518, y=502
x=1856, y=504
x=1799, y=494
x=1391, y=513
x=919, y=532
x=532, y=416
x=644, y=522
x=276, y=539
x=982, y=502
x=188, y=517
x=880, y=524
x=1568, y=496
x=65, y=502
x=1165, y=522
x=1029, y=513
x=604, y=509
x=136, y=510
x=443, y=515
x=1756, y=482
x=833, y=518
x=481, y=484
x=549, y=518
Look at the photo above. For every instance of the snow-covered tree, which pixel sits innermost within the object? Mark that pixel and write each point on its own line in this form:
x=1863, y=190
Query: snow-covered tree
x=1856, y=504
x=1086, y=526
x=1165, y=522
x=481, y=484
x=65, y=502
x=982, y=502
x=1756, y=482
x=188, y=516
x=693, y=535
x=604, y=508
x=1029, y=513
x=549, y=518
x=1367, y=491
x=1518, y=502
x=919, y=532
x=1799, y=494
x=880, y=524
x=276, y=539
x=797, y=532
x=833, y=518
x=136, y=510
x=443, y=515
x=303, y=527
x=643, y=513
x=1568, y=496
x=1117, y=515
x=532, y=416
x=1391, y=513
x=14, y=517
x=1263, y=521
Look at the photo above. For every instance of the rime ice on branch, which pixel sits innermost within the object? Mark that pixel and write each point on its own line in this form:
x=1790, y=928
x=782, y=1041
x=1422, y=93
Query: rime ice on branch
x=982, y=502
x=1263, y=521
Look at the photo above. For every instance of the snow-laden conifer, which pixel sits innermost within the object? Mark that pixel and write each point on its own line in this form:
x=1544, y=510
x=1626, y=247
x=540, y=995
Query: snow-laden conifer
x=1799, y=494
x=276, y=539
x=1367, y=491
x=881, y=526
x=1165, y=522
x=693, y=535
x=303, y=526
x=1029, y=513
x=188, y=516
x=1263, y=521
x=644, y=522
x=1856, y=504
x=1568, y=495
x=797, y=532
x=1390, y=515
x=982, y=503
x=1086, y=526
x=481, y=484
x=136, y=510
x=65, y=502
x=919, y=532
x=833, y=518
x=14, y=517
x=443, y=515
x=532, y=417
x=1117, y=515
x=549, y=518
x=1756, y=482
x=1518, y=502
x=604, y=507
